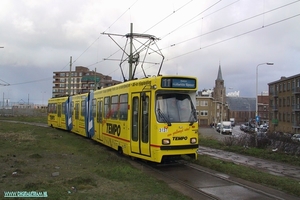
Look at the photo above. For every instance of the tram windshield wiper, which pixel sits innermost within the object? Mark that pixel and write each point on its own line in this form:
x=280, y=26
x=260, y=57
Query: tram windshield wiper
x=163, y=116
x=193, y=117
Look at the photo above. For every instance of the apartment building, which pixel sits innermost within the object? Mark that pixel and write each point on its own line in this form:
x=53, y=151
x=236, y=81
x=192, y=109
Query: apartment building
x=210, y=111
x=82, y=80
x=284, y=101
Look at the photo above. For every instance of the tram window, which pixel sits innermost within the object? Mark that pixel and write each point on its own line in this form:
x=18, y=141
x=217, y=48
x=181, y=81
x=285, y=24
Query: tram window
x=49, y=108
x=106, y=107
x=77, y=111
x=72, y=108
x=63, y=108
x=114, y=107
x=94, y=107
x=123, y=106
x=59, y=110
x=99, y=117
x=82, y=108
x=52, y=108
x=145, y=122
x=174, y=108
x=135, y=119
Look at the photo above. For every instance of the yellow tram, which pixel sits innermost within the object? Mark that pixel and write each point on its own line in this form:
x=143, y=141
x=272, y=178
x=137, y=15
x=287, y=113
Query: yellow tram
x=152, y=119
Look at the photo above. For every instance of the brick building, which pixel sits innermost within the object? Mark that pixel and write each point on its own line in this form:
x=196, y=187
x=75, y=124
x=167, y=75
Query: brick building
x=284, y=112
x=82, y=81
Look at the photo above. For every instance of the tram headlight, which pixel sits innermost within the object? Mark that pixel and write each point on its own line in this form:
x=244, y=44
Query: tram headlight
x=193, y=140
x=166, y=141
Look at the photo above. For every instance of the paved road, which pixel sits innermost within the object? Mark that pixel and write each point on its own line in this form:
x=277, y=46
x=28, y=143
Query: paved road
x=272, y=167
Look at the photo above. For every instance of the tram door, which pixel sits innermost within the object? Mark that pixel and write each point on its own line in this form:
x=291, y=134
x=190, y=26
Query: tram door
x=99, y=120
x=140, y=126
x=76, y=117
x=59, y=115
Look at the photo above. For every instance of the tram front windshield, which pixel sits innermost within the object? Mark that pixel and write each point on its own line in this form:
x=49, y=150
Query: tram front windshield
x=175, y=108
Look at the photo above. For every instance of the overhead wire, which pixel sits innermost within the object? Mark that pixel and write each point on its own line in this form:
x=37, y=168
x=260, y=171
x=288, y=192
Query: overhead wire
x=4, y=82
x=247, y=32
x=174, y=11
x=211, y=13
x=121, y=16
x=33, y=81
x=184, y=24
x=229, y=25
x=45, y=79
x=191, y=19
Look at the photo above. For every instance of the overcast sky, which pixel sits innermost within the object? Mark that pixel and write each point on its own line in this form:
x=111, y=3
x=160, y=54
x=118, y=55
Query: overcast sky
x=39, y=36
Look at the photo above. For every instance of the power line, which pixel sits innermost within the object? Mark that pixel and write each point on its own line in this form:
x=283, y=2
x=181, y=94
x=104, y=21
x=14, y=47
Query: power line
x=34, y=81
x=253, y=30
x=192, y=19
x=167, y=16
x=4, y=82
x=45, y=79
x=229, y=25
x=121, y=16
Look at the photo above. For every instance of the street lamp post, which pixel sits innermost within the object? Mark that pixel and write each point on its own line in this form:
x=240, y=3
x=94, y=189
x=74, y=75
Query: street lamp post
x=256, y=93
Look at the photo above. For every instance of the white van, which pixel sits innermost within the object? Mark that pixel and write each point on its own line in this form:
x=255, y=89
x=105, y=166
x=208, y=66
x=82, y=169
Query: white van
x=226, y=128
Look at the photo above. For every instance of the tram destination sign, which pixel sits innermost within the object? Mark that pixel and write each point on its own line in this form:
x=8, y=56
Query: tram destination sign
x=178, y=83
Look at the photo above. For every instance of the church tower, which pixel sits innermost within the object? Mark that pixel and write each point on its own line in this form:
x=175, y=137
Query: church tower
x=219, y=89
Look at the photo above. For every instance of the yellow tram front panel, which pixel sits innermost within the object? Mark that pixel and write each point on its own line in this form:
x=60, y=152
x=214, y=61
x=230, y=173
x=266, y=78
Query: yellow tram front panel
x=177, y=139
x=57, y=112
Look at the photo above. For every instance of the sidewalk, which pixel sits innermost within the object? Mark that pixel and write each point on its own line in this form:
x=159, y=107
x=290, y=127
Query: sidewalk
x=275, y=168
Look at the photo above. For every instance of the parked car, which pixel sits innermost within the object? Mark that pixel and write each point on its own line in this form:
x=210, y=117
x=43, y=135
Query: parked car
x=218, y=127
x=264, y=126
x=243, y=127
x=296, y=137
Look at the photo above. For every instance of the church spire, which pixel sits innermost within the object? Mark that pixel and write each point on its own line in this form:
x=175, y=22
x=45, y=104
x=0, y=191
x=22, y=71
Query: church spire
x=220, y=74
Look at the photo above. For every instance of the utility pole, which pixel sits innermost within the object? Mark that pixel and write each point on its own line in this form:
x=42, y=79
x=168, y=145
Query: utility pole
x=130, y=52
x=95, y=87
x=134, y=52
x=69, y=85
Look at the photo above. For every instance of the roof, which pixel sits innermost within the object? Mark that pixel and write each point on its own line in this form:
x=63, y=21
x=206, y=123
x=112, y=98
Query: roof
x=220, y=74
x=283, y=78
x=241, y=103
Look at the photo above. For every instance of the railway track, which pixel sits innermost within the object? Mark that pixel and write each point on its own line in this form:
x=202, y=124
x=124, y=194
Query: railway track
x=197, y=182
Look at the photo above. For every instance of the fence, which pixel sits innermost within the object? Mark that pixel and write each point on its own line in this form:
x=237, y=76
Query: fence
x=15, y=111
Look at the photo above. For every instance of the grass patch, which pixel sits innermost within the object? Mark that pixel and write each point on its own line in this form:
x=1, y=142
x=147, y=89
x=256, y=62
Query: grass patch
x=265, y=153
x=84, y=169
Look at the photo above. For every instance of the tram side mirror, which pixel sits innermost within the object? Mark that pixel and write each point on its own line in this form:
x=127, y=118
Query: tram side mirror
x=143, y=96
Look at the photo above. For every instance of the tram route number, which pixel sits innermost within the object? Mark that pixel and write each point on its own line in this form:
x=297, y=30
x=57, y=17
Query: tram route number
x=163, y=130
x=113, y=129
